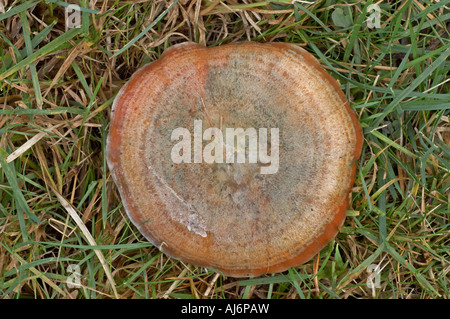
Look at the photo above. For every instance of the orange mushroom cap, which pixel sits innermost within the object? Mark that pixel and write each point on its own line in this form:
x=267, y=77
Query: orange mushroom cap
x=229, y=216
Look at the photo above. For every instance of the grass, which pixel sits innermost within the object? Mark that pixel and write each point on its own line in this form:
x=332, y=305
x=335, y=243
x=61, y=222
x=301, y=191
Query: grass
x=59, y=206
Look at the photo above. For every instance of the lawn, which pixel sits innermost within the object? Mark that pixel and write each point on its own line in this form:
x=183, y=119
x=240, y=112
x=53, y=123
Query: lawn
x=63, y=230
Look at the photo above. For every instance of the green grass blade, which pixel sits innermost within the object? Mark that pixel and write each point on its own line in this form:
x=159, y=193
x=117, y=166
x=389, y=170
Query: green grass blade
x=20, y=201
x=29, y=49
x=48, y=48
x=147, y=29
x=420, y=78
x=17, y=9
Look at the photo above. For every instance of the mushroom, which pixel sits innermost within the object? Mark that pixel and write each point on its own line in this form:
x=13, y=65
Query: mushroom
x=201, y=197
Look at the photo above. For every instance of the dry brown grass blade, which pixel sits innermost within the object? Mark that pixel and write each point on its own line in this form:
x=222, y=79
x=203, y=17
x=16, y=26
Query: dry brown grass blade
x=41, y=275
x=175, y=284
x=81, y=49
x=89, y=238
x=28, y=144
